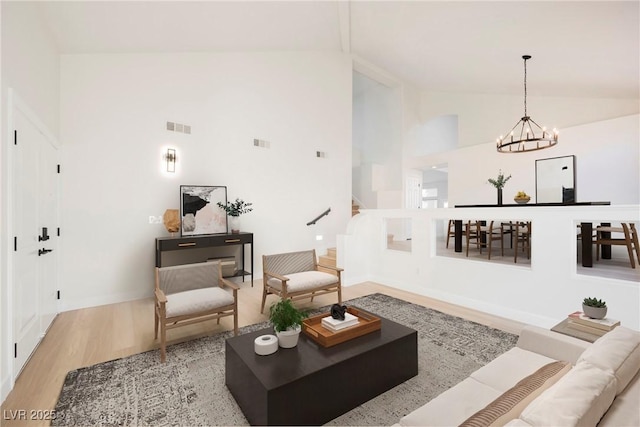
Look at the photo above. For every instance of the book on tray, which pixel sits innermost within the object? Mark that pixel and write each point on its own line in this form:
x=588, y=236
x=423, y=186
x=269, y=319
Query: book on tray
x=605, y=324
x=336, y=325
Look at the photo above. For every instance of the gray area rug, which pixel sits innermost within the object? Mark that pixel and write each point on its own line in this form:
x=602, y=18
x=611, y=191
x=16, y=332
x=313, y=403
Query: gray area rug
x=189, y=389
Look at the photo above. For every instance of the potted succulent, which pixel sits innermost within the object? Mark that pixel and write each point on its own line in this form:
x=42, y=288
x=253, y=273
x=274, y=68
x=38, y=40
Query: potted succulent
x=287, y=322
x=499, y=183
x=594, y=308
x=234, y=210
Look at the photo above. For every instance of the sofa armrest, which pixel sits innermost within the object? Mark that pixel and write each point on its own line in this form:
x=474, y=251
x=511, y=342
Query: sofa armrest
x=551, y=344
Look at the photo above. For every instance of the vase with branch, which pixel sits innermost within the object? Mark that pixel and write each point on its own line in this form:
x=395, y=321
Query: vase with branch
x=499, y=183
x=234, y=210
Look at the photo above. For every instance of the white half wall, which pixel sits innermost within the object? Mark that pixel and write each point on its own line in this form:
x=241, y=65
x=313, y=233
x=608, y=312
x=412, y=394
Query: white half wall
x=542, y=293
x=114, y=111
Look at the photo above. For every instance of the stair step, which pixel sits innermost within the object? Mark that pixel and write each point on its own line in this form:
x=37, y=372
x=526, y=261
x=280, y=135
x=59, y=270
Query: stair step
x=329, y=260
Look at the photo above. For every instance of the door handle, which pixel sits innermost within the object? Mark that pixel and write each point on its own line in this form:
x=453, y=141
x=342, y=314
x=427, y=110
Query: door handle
x=44, y=236
x=44, y=251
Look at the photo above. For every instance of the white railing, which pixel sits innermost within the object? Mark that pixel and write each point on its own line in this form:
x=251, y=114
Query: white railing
x=542, y=292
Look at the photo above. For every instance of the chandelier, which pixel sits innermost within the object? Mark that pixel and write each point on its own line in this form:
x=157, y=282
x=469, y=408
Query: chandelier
x=526, y=135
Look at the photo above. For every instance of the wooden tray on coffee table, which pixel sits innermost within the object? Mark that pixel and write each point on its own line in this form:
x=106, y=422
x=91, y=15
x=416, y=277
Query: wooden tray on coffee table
x=312, y=327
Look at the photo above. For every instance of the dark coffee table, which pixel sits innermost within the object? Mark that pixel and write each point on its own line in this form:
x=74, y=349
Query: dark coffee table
x=310, y=384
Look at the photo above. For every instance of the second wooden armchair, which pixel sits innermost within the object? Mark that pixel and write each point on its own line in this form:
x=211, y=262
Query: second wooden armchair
x=295, y=275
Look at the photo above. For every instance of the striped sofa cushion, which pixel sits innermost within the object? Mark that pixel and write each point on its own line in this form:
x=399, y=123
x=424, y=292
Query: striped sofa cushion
x=512, y=402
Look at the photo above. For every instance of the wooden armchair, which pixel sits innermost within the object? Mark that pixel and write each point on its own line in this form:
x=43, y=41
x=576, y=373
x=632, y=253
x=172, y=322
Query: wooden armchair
x=191, y=293
x=295, y=275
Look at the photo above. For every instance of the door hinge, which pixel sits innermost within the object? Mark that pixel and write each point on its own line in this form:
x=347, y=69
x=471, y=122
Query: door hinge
x=15, y=243
x=15, y=137
x=15, y=350
x=58, y=294
x=58, y=168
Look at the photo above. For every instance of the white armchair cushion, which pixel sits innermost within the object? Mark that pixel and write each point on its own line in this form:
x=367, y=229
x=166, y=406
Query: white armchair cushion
x=197, y=300
x=304, y=281
x=617, y=351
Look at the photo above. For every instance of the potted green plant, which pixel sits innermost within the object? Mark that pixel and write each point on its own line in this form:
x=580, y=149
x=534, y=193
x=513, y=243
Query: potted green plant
x=499, y=183
x=234, y=210
x=287, y=322
x=594, y=308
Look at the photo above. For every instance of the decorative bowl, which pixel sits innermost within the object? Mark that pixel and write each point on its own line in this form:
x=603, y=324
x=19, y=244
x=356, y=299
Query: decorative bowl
x=522, y=200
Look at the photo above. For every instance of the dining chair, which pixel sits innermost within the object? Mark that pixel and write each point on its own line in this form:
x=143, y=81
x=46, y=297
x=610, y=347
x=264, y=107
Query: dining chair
x=494, y=231
x=625, y=235
x=522, y=238
x=451, y=231
x=472, y=232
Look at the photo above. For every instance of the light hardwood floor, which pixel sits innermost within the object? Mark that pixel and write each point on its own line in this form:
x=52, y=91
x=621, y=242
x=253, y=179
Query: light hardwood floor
x=88, y=336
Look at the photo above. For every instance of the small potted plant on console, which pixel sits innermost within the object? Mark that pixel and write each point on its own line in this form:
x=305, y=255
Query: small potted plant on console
x=234, y=210
x=287, y=322
x=594, y=308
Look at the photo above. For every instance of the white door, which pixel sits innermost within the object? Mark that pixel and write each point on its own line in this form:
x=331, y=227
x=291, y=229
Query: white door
x=48, y=218
x=413, y=190
x=34, y=200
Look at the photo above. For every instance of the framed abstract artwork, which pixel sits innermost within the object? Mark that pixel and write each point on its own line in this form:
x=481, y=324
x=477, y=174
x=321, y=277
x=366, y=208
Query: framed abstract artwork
x=199, y=210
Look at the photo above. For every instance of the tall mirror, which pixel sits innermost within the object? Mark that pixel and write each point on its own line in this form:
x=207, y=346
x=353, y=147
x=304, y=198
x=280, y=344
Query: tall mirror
x=556, y=180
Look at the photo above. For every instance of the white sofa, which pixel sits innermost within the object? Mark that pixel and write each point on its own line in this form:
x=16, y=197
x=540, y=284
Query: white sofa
x=599, y=385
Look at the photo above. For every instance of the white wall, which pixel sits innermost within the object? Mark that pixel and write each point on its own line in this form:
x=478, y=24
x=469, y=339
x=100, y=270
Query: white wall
x=607, y=165
x=30, y=65
x=483, y=117
x=113, y=114
x=377, y=142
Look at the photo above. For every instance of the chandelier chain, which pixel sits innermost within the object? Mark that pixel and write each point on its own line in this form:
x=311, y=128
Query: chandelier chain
x=525, y=87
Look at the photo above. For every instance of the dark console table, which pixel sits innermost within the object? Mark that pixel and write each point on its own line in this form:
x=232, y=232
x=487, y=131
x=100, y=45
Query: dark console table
x=192, y=249
x=310, y=384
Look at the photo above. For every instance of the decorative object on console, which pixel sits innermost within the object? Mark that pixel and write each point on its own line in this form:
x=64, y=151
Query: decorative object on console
x=499, y=183
x=522, y=198
x=199, y=209
x=594, y=308
x=286, y=320
x=171, y=219
x=234, y=210
x=530, y=138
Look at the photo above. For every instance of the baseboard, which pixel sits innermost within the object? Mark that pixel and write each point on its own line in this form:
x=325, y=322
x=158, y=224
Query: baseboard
x=495, y=310
x=75, y=304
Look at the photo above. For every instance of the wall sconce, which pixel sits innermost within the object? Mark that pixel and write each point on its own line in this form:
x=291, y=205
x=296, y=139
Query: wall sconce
x=170, y=157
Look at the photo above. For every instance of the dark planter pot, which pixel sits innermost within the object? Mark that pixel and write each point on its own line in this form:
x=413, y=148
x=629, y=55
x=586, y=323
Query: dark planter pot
x=594, y=312
x=499, y=196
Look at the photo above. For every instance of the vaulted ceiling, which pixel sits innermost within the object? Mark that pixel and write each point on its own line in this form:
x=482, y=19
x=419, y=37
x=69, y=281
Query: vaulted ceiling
x=579, y=48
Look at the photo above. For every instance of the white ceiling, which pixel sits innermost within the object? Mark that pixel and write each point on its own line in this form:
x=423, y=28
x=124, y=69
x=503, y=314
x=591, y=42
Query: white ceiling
x=579, y=48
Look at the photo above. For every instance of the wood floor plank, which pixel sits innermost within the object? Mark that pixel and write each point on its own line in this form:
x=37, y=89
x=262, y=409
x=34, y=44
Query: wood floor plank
x=84, y=337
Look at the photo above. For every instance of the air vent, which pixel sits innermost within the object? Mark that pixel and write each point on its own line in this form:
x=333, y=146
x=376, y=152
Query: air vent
x=179, y=127
x=261, y=143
